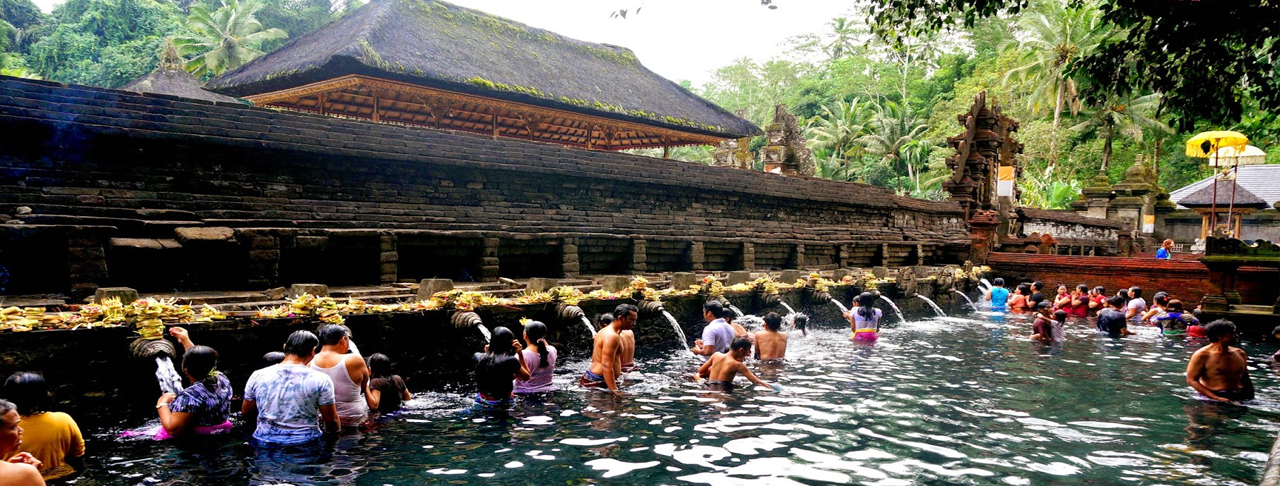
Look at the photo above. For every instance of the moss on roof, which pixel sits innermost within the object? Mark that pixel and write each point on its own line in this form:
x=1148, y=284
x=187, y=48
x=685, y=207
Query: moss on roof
x=437, y=44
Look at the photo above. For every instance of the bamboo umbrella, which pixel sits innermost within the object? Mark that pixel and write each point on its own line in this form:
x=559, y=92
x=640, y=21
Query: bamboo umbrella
x=1207, y=145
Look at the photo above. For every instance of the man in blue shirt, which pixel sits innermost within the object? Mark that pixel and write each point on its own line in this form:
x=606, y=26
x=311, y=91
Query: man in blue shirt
x=998, y=296
x=287, y=402
x=1166, y=250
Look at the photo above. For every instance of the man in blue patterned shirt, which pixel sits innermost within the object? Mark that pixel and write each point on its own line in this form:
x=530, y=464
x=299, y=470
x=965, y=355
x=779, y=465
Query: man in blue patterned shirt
x=287, y=401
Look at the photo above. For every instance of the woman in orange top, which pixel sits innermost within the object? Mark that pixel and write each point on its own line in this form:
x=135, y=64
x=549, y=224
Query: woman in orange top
x=52, y=437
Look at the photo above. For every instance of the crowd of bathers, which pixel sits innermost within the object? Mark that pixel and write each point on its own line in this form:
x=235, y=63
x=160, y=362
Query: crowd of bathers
x=1217, y=371
x=1115, y=314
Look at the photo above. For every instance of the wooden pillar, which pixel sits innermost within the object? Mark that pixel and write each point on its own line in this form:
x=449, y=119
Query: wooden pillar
x=495, y=126
x=666, y=151
x=322, y=99
x=375, y=108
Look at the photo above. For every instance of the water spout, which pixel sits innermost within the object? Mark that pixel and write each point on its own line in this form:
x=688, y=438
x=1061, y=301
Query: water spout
x=843, y=309
x=933, y=304
x=789, y=309
x=587, y=322
x=679, y=332
x=469, y=319
x=735, y=310
x=895, y=308
x=966, y=298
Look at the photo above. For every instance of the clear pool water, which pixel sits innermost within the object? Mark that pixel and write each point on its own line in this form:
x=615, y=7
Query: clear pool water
x=955, y=401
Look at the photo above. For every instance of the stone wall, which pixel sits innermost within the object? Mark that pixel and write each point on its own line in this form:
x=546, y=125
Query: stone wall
x=1075, y=234
x=162, y=193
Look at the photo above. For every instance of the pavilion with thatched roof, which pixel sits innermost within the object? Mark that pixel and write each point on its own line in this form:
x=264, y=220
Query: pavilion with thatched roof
x=169, y=78
x=433, y=64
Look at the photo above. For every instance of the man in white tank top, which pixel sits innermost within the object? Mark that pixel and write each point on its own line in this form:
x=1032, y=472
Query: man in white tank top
x=349, y=373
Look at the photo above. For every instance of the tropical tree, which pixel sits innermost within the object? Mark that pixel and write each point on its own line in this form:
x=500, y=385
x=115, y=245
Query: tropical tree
x=892, y=129
x=1055, y=37
x=225, y=38
x=1123, y=115
x=838, y=129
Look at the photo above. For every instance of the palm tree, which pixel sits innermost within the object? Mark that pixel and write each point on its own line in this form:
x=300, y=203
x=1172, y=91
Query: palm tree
x=224, y=39
x=1127, y=116
x=1054, y=39
x=893, y=128
x=838, y=129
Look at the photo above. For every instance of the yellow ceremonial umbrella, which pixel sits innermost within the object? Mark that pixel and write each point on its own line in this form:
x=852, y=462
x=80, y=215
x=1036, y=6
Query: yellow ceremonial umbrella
x=1207, y=145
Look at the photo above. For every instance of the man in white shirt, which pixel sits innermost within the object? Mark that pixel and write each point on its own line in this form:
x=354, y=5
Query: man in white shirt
x=718, y=334
x=1137, y=305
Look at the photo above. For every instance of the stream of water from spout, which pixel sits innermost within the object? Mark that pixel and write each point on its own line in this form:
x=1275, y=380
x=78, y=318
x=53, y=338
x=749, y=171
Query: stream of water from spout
x=843, y=309
x=966, y=298
x=679, y=332
x=933, y=304
x=168, y=378
x=735, y=310
x=895, y=309
x=985, y=285
x=587, y=322
x=789, y=309
x=485, y=331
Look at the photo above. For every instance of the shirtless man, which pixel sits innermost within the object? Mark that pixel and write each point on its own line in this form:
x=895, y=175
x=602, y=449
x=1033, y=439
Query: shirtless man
x=606, y=351
x=722, y=368
x=1219, y=371
x=21, y=469
x=628, y=357
x=771, y=344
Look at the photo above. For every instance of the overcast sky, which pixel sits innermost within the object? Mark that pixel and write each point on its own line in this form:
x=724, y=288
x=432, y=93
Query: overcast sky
x=679, y=39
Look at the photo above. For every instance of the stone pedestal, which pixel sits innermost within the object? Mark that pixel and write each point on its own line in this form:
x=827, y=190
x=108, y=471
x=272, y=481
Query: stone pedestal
x=318, y=290
x=737, y=277
x=538, y=284
x=790, y=276
x=614, y=283
x=431, y=286
x=683, y=280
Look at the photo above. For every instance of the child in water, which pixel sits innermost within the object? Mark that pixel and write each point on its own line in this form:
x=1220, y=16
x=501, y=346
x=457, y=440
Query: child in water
x=387, y=391
x=722, y=368
x=771, y=344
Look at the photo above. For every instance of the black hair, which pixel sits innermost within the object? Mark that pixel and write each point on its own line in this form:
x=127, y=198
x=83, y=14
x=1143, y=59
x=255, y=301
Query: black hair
x=1082, y=288
x=1275, y=331
x=865, y=302
x=201, y=362
x=1123, y=294
x=1100, y=290
x=1115, y=301
x=1161, y=298
x=773, y=321
x=1174, y=305
x=301, y=343
x=1219, y=328
x=1060, y=316
x=537, y=332
x=715, y=308
x=1062, y=286
x=1037, y=285
x=29, y=392
x=623, y=309
x=999, y=282
x=801, y=321
x=379, y=365
x=605, y=320
x=740, y=343
x=1024, y=289
x=332, y=334
x=272, y=358
x=500, y=341
x=1044, y=304
x=1135, y=292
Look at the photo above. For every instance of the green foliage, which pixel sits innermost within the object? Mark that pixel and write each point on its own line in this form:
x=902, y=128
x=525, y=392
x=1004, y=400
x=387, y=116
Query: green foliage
x=224, y=39
x=103, y=42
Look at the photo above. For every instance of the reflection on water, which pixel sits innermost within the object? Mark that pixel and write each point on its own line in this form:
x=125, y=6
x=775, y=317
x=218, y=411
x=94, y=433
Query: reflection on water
x=944, y=401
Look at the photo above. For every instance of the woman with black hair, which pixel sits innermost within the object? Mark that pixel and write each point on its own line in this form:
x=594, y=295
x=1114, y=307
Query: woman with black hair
x=387, y=391
x=540, y=357
x=501, y=362
x=865, y=319
x=202, y=408
x=51, y=437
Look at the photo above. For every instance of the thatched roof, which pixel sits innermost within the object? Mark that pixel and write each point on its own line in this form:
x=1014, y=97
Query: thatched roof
x=1204, y=197
x=440, y=45
x=175, y=82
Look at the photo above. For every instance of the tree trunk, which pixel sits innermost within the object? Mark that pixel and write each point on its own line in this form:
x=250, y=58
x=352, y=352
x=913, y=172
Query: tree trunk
x=1106, y=150
x=1057, y=117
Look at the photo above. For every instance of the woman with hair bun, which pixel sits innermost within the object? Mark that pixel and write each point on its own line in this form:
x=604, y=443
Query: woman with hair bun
x=205, y=406
x=540, y=357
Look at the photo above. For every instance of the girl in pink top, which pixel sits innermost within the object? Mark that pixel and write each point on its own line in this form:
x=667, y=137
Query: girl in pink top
x=541, y=358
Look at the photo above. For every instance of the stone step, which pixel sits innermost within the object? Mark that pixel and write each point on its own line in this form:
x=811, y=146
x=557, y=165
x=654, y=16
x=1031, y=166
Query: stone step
x=103, y=212
x=128, y=227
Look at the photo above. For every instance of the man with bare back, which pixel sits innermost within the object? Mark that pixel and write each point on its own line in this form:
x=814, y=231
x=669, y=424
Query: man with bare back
x=1219, y=371
x=606, y=351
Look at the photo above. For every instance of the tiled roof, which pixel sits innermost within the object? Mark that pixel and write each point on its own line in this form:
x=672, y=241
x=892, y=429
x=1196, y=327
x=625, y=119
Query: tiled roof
x=1261, y=180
